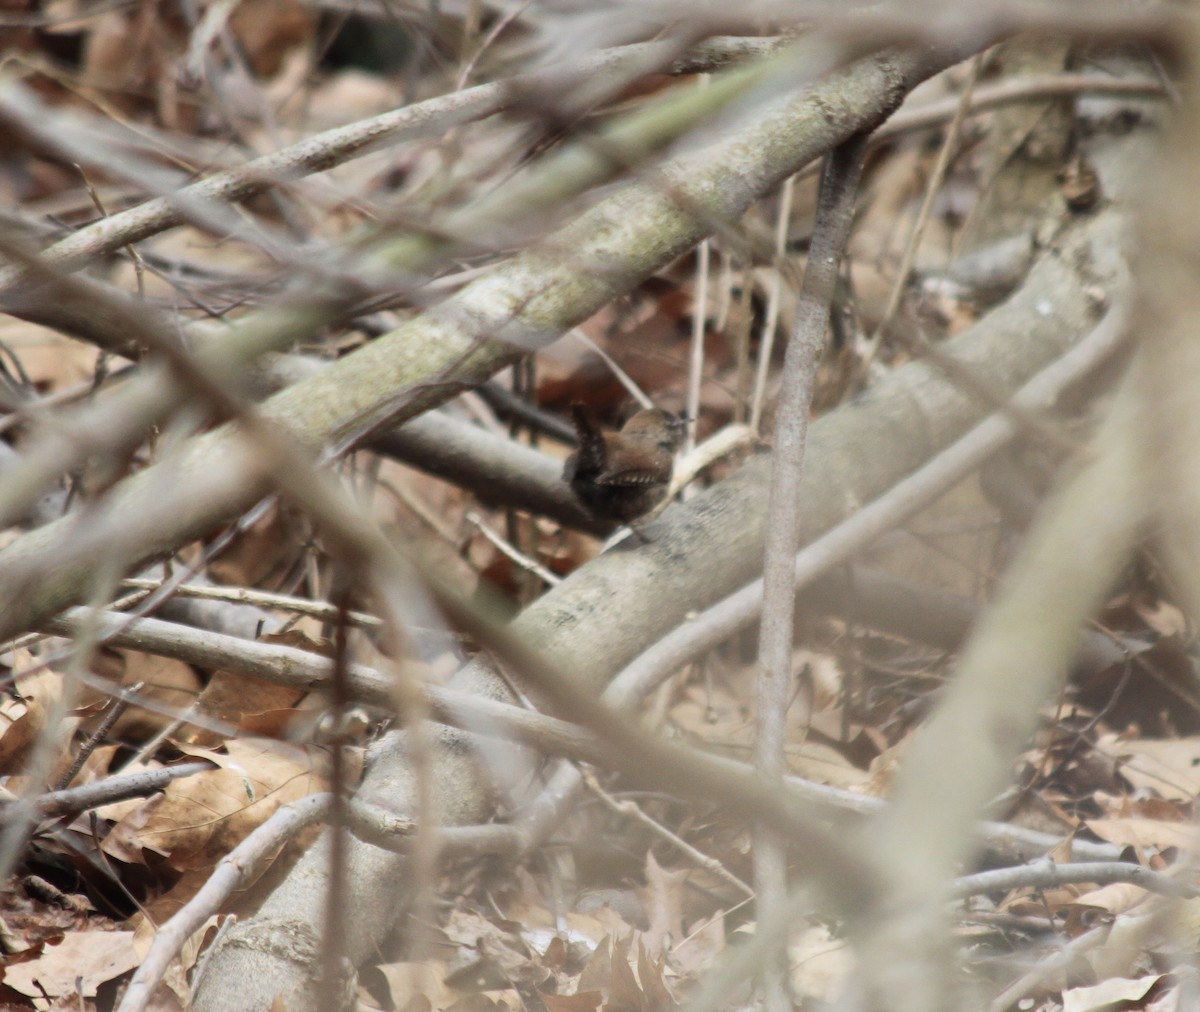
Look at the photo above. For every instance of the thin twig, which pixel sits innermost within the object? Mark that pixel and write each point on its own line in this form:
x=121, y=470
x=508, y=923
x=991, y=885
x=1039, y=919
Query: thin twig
x=766, y=340
x=331, y=972
x=1028, y=88
x=948, y=149
x=1046, y=874
x=74, y=800
x=627, y=381
x=323, y=610
x=696, y=355
x=116, y=707
x=695, y=373
x=473, y=518
x=835, y=213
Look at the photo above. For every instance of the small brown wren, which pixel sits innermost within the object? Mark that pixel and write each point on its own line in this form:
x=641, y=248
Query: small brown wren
x=624, y=475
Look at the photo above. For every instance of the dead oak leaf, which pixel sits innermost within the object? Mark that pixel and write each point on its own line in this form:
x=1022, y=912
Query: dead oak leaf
x=202, y=818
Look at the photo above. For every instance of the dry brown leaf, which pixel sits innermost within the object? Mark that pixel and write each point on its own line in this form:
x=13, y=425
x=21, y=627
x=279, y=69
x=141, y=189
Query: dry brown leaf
x=826, y=765
x=291, y=724
x=130, y=55
x=124, y=841
x=40, y=694
x=1159, y=809
x=650, y=975
x=261, y=556
x=580, y=1001
x=1145, y=834
x=1184, y=919
x=346, y=96
x=598, y=971
x=1034, y=901
x=1170, y=767
x=162, y=908
x=200, y=819
x=426, y=980
x=172, y=685
x=231, y=696
x=1078, y=918
x=820, y=964
x=51, y=361
x=85, y=959
x=477, y=1003
x=1108, y=993
x=662, y=900
x=22, y=732
x=594, y=929
x=269, y=29
x=1162, y=616
x=825, y=674
x=98, y=766
x=715, y=718
x=625, y=994
x=701, y=948
x=1116, y=897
